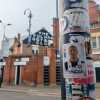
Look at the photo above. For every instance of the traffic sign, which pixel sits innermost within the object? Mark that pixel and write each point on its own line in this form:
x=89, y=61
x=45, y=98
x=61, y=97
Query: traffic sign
x=19, y=63
x=25, y=59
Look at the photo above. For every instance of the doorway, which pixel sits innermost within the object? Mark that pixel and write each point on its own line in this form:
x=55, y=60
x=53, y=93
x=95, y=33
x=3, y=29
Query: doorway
x=18, y=75
x=97, y=69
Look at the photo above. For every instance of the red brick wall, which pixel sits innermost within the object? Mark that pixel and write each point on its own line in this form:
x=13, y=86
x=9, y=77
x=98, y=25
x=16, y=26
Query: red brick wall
x=28, y=72
x=52, y=55
x=92, y=11
x=95, y=30
x=9, y=71
x=94, y=14
x=40, y=70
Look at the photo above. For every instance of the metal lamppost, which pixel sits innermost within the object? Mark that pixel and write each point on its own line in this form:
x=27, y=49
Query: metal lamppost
x=29, y=15
x=4, y=26
x=57, y=8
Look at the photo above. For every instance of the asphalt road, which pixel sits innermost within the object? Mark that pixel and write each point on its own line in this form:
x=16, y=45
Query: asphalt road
x=23, y=96
x=34, y=94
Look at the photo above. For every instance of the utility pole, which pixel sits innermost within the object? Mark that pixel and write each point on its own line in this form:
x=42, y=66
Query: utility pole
x=29, y=14
x=56, y=8
x=78, y=71
x=4, y=26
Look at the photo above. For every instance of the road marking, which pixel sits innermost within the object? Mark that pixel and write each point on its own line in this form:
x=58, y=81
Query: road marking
x=46, y=94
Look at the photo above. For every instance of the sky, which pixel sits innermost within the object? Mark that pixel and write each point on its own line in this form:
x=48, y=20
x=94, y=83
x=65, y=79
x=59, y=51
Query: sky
x=12, y=11
x=98, y=1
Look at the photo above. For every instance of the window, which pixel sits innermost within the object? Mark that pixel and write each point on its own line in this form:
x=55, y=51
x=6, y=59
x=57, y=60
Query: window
x=99, y=18
x=35, y=49
x=99, y=41
x=94, y=26
x=94, y=44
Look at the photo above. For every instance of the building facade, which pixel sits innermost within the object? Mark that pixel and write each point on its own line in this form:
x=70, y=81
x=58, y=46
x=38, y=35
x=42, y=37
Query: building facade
x=38, y=70
x=94, y=11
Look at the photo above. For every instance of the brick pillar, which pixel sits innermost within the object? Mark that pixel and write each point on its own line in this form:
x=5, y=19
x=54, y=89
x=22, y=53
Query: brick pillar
x=8, y=71
x=52, y=71
x=39, y=70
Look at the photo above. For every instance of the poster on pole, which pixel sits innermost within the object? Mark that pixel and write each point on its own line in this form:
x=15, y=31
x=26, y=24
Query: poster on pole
x=72, y=4
x=77, y=91
x=90, y=72
x=75, y=20
x=74, y=57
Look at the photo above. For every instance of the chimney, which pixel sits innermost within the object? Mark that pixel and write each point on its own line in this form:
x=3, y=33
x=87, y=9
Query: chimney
x=56, y=32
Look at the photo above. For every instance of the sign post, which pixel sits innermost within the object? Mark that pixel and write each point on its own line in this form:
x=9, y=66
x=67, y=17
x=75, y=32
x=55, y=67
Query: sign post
x=75, y=47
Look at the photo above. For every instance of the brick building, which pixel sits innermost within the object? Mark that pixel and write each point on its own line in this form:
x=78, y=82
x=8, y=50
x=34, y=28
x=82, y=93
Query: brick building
x=35, y=72
x=94, y=11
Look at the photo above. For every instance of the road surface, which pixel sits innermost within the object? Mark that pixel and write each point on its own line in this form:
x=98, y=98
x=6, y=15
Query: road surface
x=23, y=96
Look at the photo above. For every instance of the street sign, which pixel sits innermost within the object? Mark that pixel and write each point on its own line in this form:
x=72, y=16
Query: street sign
x=24, y=59
x=46, y=61
x=19, y=63
x=2, y=63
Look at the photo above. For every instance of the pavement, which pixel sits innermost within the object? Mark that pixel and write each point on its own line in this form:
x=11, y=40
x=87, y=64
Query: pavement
x=41, y=91
x=44, y=91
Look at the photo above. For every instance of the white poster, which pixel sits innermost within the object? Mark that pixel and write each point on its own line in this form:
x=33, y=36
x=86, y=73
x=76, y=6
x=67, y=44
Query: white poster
x=46, y=61
x=75, y=20
x=74, y=57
